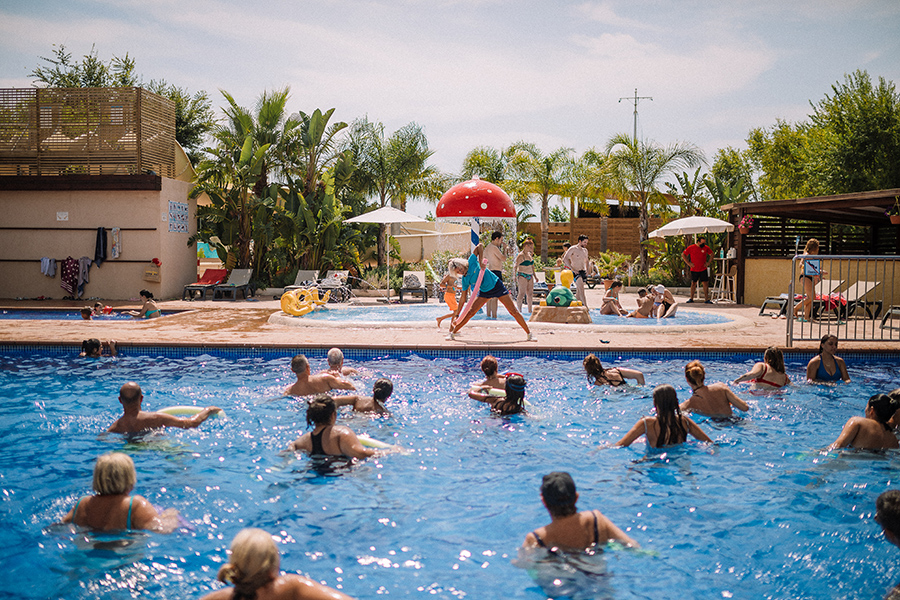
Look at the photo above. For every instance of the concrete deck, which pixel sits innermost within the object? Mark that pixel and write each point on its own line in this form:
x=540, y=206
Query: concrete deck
x=247, y=323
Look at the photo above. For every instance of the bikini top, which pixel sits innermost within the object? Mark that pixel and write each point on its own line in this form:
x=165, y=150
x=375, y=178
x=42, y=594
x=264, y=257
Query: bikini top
x=762, y=378
x=823, y=375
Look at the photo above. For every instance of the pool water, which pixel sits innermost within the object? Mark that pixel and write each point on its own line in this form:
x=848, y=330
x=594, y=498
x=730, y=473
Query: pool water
x=62, y=315
x=429, y=312
x=762, y=514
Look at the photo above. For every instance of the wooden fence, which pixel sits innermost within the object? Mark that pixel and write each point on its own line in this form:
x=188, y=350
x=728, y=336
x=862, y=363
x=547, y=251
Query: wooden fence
x=604, y=234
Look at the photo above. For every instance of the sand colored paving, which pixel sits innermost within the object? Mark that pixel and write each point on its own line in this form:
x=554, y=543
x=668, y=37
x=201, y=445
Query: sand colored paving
x=251, y=323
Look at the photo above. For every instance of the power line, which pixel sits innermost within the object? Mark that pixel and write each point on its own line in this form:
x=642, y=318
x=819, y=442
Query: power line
x=636, y=100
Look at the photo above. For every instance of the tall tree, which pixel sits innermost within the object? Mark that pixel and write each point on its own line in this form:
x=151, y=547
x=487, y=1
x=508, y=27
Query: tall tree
x=194, y=117
x=541, y=175
x=392, y=169
x=637, y=168
x=316, y=148
x=731, y=164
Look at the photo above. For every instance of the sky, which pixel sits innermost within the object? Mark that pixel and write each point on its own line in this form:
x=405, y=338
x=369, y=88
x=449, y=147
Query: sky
x=487, y=72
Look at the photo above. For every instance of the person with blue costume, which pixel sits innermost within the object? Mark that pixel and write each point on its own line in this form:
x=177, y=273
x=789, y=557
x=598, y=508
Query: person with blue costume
x=491, y=287
x=825, y=366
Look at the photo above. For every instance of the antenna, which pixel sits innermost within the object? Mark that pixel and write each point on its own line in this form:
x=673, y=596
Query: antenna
x=636, y=100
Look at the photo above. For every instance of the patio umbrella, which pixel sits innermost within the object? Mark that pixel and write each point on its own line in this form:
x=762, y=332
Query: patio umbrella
x=387, y=215
x=690, y=225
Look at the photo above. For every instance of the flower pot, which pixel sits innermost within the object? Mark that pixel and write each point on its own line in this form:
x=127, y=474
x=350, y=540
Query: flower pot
x=895, y=219
x=744, y=230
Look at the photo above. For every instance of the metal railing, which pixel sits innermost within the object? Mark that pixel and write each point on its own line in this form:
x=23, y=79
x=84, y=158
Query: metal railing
x=856, y=298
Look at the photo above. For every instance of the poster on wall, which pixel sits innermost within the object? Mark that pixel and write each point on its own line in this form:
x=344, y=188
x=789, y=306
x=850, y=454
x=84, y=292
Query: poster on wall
x=178, y=217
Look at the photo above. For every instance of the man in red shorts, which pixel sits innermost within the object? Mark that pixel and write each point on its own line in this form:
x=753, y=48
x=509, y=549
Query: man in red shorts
x=696, y=256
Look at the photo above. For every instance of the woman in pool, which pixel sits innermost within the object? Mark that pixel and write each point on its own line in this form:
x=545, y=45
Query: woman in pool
x=668, y=427
x=513, y=402
x=524, y=266
x=611, y=304
x=825, y=366
x=254, y=569
x=713, y=400
x=569, y=529
x=871, y=432
x=491, y=287
x=149, y=310
x=614, y=376
x=326, y=438
x=113, y=506
x=810, y=274
x=769, y=374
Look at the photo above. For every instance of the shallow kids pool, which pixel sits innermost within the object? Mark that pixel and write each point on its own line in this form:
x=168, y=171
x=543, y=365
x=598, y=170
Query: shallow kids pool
x=762, y=514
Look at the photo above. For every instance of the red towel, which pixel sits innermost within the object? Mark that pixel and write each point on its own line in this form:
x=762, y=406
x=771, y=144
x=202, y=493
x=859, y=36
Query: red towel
x=68, y=275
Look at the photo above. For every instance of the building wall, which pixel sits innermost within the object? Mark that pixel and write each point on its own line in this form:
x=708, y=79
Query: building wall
x=31, y=229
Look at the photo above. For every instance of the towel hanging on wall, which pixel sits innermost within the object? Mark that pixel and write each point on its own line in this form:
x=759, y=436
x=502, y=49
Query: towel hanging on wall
x=100, y=247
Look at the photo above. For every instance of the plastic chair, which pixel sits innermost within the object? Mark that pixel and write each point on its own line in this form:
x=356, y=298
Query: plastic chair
x=239, y=280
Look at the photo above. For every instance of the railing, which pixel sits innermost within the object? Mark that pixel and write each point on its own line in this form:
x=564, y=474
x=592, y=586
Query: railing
x=856, y=298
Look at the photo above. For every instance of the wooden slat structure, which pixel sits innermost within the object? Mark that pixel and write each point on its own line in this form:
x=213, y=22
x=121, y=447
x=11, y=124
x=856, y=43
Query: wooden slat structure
x=86, y=131
x=604, y=234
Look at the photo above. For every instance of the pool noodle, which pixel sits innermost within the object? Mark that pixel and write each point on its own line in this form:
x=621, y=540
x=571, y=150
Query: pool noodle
x=188, y=411
x=475, y=290
x=372, y=443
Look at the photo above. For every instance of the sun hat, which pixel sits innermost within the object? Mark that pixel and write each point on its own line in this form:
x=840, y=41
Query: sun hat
x=558, y=489
x=660, y=289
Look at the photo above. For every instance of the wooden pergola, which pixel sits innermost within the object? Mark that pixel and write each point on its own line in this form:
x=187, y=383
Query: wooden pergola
x=844, y=224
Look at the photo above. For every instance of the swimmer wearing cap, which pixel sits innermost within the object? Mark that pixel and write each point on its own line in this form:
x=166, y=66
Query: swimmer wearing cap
x=509, y=403
x=569, y=529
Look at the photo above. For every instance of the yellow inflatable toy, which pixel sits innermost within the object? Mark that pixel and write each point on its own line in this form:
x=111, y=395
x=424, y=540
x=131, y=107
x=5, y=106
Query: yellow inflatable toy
x=562, y=295
x=303, y=300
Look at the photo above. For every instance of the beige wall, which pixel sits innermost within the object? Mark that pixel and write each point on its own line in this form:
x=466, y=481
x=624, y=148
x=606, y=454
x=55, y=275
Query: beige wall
x=771, y=276
x=422, y=240
x=21, y=250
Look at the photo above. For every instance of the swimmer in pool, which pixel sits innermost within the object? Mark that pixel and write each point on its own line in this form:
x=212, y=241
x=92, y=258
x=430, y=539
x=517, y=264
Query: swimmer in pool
x=134, y=420
x=97, y=311
x=335, y=358
x=614, y=376
x=149, y=310
x=871, y=432
x=668, y=427
x=326, y=438
x=253, y=568
x=381, y=391
x=93, y=348
x=87, y=314
x=887, y=514
x=307, y=385
x=569, y=529
x=645, y=306
x=825, y=366
x=769, y=374
x=513, y=402
x=713, y=400
x=113, y=507
x=492, y=379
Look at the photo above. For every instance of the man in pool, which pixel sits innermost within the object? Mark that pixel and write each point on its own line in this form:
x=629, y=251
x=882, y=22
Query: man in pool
x=336, y=366
x=568, y=528
x=576, y=259
x=491, y=287
x=887, y=514
x=134, y=420
x=307, y=384
x=381, y=391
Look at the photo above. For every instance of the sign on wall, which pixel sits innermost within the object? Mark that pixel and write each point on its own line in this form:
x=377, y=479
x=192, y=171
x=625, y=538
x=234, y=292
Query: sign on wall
x=178, y=217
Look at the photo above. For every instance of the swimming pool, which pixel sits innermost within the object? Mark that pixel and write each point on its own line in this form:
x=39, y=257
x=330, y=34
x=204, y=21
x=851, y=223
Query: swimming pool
x=429, y=312
x=762, y=514
x=62, y=314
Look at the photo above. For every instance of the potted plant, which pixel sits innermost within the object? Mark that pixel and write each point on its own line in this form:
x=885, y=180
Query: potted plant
x=894, y=211
x=745, y=225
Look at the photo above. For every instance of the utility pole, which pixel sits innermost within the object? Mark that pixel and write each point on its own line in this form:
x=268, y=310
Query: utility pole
x=636, y=100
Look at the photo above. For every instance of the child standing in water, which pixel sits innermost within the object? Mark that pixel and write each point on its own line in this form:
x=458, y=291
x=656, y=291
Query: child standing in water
x=448, y=285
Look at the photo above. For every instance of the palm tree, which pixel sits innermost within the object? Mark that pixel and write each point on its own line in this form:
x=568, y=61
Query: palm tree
x=392, y=169
x=542, y=175
x=636, y=168
x=315, y=148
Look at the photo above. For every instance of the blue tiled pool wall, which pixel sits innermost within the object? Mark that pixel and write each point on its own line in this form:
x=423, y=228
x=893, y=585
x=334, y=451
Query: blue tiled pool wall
x=244, y=352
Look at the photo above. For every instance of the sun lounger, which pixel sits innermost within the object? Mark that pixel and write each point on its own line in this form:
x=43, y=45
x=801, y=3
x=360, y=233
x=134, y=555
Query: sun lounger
x=414, y=285
x=304, y=278
x=893, y=312
x=540, y=285
x=336, y=283
x=855, y=297
x=239, y=280
x=822, y=288
x=210, y=279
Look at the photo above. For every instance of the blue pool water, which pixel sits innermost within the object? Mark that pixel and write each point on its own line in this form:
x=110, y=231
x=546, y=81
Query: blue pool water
x=763, y=514
x=429, y=312
x=61, y=315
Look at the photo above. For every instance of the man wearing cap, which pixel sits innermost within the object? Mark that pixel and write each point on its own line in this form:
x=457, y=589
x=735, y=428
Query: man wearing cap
x=666, y=301
x=568, y=528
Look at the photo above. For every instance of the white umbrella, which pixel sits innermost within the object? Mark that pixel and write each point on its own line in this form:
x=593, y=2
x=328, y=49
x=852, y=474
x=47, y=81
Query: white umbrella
x=386, y=215
x=690, y=225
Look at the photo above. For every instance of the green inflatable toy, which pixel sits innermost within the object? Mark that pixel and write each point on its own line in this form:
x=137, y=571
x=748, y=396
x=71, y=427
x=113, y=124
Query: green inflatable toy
x=560, y=296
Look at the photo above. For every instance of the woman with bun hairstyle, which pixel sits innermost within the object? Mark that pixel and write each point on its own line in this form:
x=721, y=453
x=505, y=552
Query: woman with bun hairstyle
x=768, y=374
x=614, y=376
x=713, y=400
x=872, y=432
x=149, y=310
x=254, y=569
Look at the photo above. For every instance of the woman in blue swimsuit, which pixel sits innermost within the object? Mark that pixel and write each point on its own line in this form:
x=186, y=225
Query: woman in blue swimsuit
x=149, y=310
x=825, y=366
x=569, y=529
x=113, y=507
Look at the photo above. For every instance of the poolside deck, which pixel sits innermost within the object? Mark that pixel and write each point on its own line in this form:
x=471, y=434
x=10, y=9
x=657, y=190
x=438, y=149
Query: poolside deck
x=247, y=323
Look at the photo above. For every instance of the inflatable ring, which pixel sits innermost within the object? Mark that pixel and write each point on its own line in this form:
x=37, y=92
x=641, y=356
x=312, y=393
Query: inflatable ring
x=188, y=411
x=302, y=301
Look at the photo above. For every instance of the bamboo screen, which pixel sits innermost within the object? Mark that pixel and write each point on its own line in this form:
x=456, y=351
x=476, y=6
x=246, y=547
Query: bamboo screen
x=86, y=131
